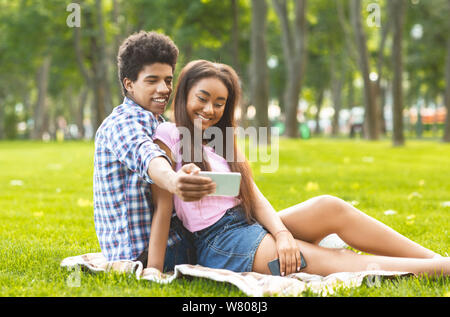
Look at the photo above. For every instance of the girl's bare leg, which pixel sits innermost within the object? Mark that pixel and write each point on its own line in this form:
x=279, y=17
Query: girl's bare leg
x=324, y=261
x=318, y=217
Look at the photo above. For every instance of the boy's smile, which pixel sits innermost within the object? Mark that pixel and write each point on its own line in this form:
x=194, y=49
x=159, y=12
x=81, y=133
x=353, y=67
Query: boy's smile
x=152, y=88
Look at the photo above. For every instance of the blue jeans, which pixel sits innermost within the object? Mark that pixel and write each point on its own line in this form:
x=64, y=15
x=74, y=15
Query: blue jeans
x=230, y=243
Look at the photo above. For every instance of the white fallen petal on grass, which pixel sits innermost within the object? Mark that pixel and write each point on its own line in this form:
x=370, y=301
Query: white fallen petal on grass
x=16, y=182
x=414, y=195
x=368, y=159
x=353, y=202
x=333, y=241
x=410, y=219
x=445, y=204
x=390, y=212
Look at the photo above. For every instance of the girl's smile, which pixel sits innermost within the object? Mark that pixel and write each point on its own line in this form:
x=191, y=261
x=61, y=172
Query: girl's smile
x=206, y=102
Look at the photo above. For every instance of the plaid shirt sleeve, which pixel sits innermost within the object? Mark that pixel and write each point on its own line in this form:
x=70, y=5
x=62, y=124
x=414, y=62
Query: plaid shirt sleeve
x=131, y=142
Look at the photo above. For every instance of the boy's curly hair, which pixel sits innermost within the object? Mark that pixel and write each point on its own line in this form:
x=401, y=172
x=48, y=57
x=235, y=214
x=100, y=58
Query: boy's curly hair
x=144, y=48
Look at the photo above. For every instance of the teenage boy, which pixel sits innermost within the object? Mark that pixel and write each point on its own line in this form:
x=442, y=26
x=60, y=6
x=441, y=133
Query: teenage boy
x=127, y=162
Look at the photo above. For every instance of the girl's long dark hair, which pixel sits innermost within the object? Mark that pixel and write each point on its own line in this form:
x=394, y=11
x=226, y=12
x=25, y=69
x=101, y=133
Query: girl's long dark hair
x=189, y=76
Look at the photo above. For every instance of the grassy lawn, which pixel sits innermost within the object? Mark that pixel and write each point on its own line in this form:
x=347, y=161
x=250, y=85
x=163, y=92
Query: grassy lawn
x=47, y=214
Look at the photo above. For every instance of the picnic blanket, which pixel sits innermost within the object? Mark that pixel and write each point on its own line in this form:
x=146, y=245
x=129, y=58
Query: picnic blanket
x=251, y=283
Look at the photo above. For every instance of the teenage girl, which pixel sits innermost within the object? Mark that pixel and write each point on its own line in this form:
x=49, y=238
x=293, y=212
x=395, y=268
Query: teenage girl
x=244, y=233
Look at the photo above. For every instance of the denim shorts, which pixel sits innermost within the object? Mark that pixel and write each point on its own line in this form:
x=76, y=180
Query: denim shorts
x=182, y=252
x=230, y=243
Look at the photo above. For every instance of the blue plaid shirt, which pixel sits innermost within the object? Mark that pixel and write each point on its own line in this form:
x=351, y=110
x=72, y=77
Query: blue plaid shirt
x=122, y=197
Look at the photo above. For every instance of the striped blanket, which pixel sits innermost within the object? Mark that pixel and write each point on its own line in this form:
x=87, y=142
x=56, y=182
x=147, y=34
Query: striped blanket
x=252, y=284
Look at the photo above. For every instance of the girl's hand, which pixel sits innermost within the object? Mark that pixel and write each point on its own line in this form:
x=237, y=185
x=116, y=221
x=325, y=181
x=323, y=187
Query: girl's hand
x=288, y=252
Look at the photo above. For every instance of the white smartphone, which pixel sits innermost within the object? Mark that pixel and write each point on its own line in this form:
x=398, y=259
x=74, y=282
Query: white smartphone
x=227, y=184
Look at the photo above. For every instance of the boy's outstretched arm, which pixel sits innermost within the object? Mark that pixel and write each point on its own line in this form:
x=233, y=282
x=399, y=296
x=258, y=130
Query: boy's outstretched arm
x=184, y=183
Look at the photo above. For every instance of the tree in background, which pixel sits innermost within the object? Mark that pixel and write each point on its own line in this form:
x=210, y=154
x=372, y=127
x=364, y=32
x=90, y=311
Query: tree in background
x=370, y=122
x=259, y=82
x=397, y=8
x=90, y=48
x=293, y=42
x=446, y=137
x=324, y=53
x=50, y=71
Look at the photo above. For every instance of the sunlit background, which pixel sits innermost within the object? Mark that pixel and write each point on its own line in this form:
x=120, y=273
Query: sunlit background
x=332, y=67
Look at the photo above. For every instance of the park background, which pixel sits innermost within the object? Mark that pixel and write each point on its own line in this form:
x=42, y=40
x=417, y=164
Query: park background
x=329, y=65
x=359, y=89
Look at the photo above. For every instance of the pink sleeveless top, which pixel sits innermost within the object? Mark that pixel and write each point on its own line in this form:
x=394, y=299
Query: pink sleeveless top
x=199, y=214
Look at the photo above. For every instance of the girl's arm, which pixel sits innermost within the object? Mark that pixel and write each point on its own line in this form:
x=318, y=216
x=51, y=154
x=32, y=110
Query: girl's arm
x=288, y=251
x=162, y=214
x=159, y=232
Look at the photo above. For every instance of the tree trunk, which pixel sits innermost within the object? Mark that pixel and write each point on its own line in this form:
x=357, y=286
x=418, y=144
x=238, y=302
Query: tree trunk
x=259, y=84
x=446, y=137
x=40, y=111
x=336, y=93
x=85, y=72
x=96, y=76
x=397, y=91
x=101, y=74
x=381, y=117
x=80, y=112
x=2, y=118
x=294, y=51
x=235, y=35
x=370, y=118
x=380, y=90
x=319, y=101
x=117, y=38
x=291, y=97
x=80, y=57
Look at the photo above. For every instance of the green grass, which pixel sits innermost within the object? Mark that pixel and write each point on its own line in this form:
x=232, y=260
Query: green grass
x=47, y=215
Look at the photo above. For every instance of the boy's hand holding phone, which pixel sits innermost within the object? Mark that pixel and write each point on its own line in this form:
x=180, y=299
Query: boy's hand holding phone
x=189, y=186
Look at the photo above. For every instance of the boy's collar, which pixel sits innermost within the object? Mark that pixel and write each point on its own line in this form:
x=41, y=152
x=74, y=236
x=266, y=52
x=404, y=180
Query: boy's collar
x=131, y=102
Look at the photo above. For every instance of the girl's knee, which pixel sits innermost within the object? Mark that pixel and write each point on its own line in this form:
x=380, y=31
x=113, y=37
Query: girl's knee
x=330, y=201
x=331, y=207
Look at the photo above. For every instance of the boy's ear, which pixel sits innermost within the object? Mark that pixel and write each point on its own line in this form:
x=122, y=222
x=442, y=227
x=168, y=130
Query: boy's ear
x=128, y=84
